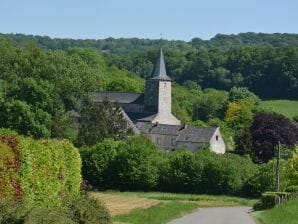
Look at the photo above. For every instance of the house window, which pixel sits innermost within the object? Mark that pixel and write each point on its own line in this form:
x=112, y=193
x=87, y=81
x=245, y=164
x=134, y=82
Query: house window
x=158, y=140
x=173, y=141
x=216, y=137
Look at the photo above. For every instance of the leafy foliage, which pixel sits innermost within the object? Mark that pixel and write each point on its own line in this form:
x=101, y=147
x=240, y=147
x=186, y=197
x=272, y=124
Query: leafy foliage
x=97, y=162
x=136, y=164
x=211, y=104
x=267, y=130
x=82, y=209
x=94, y=128
x=42, y=172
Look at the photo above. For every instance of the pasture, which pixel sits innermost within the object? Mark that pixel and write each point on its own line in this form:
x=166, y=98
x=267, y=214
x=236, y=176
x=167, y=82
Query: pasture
x=289, y=108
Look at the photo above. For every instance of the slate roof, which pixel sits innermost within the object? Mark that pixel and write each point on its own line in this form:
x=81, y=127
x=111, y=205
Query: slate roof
x=184, y=133
x=159, y=72
x=134, y=116
x=295, y=124
x=196, y=134
x=119, y=97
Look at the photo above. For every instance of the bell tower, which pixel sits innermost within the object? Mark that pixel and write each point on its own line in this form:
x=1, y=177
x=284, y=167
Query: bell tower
x=158, y=94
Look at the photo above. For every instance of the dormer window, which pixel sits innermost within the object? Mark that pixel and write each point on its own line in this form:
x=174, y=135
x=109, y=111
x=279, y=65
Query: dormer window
x=216, y=137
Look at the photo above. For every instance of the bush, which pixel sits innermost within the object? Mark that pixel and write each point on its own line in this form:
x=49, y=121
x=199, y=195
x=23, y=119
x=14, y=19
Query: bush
x=182, y=173
x=46, y=215
x=88, y=210
x=206, y=172
x=292, y=189
x=11, y=212
x=41, y=172
x=97, y=162
x=79, y=210
x=269, y=200
x=224, y=174
x=292, y=168
x=136, y=165
x=295, y=118
x=264, y=179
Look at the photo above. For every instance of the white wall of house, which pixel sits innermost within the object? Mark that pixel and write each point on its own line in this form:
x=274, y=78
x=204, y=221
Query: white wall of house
x=217, y=143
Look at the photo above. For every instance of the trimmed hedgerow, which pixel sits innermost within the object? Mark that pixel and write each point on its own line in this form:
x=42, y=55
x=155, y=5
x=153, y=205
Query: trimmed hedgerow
x=45, y=171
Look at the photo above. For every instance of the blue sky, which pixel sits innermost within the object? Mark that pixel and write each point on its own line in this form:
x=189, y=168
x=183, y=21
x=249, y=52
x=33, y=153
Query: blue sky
x=176, y=19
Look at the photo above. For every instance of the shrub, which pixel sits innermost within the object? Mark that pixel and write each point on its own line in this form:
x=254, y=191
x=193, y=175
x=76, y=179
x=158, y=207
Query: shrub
x=97, y=162
x=52, y=173
x=292, y=189
x=87, y=210
x=136, y=165
x=224, y=174
x=46, y=215
x=38, y=171
x=206, y=172
x=79, y=210
x=269, y=200
x=11, y=212
x=292, y=168
x=264, y=179
x=295, y=118
x=183, y=173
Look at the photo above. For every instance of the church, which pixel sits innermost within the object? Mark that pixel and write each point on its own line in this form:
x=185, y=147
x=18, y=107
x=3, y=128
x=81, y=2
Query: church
x=150, y=113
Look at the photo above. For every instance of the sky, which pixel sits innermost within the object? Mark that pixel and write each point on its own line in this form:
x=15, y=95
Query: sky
x=176, y=19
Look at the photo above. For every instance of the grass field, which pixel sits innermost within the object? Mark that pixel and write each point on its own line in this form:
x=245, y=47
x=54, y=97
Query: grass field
x=157, y=214
x=201, y=199
x=286, y=213
x=158, y=207
x=288, y=108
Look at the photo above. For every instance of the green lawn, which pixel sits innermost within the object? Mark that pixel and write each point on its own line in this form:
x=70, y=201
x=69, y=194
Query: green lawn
x=202, y=200
x=286, y=213
x=158, y=214
x=288, y=108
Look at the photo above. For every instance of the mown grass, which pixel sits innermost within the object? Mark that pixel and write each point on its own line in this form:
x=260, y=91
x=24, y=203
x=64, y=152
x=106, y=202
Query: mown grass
x=286, y=213
x=201, y=199
x=157, y=214
x=289, y=108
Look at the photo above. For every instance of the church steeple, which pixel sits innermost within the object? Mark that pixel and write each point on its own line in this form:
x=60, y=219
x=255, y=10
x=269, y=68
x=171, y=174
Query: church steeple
x=158, y=97
x=159, y=72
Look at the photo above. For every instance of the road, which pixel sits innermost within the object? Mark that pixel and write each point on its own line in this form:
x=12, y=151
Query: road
x=218, y=215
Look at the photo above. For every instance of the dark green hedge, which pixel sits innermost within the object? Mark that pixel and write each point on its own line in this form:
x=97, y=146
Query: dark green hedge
x=137, y=164
x=40, y=171
x=292, y=189
x=270, y=199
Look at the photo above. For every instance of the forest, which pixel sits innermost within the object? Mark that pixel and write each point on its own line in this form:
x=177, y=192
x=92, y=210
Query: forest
x=266, y=64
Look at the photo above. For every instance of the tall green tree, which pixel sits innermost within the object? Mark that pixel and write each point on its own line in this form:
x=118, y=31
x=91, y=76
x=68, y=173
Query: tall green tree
x=98, y=121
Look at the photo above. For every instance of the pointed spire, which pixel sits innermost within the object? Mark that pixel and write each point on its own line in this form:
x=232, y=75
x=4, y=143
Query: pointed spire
x=159, y=71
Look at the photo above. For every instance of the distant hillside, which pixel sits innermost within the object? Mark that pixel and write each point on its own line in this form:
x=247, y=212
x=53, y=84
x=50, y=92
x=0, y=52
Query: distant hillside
x=266, y=64
x=222, y=41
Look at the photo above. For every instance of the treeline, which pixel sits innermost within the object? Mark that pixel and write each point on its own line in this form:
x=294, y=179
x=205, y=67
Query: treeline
x=268, y=72
x=264, y=63
x=124, y=45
